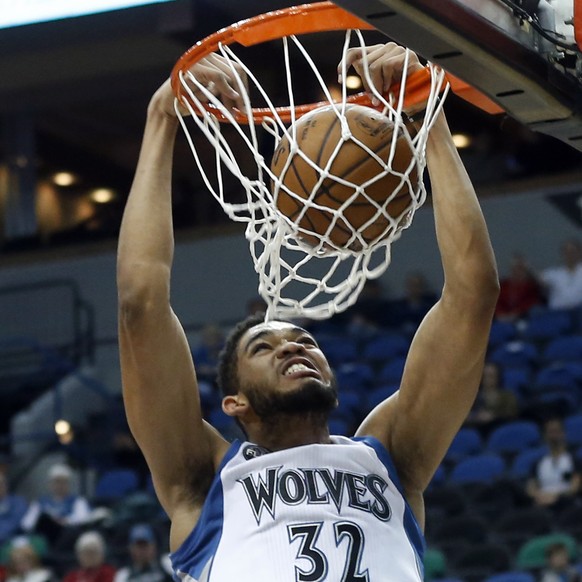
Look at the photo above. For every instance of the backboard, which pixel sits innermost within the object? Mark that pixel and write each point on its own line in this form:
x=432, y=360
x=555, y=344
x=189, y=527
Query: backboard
x=521, y=53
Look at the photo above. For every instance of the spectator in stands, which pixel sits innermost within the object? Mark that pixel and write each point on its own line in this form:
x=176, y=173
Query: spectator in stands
x=59, y=508
x=563, y=284
x=146, y=565
x=556, y=479
x=407, y=312
x=519, y=291
x=559, y=567
x=90, y=551
x=24, y=563
x=494, y=404
x=12, y=510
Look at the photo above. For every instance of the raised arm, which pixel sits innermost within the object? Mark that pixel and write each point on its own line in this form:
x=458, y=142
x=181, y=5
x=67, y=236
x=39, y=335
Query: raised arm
x=445, y=361
x=159, y=383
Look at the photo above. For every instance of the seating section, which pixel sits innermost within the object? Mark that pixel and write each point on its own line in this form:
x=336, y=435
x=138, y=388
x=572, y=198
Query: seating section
x=480, y=524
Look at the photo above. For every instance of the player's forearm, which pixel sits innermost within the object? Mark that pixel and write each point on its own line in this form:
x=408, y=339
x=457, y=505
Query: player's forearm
x=146, y=241
x=466, y=252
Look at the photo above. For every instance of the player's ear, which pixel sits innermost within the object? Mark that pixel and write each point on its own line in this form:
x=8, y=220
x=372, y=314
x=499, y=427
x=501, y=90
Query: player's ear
x=235, y=404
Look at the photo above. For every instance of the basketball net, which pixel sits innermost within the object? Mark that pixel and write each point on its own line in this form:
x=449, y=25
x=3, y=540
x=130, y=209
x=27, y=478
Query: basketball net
x=298, y=279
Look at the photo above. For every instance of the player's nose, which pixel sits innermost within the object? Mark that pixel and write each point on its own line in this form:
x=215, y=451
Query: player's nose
x=287, y=347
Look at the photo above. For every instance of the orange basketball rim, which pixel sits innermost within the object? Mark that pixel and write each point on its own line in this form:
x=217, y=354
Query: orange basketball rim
x=306, y=19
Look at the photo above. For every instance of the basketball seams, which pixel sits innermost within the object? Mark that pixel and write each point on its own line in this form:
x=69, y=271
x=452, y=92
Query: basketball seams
x=366, y=157
x=326, y=136
x=373, y=214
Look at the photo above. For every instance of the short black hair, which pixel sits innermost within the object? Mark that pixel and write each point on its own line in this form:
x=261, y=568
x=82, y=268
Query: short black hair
x=227, y=377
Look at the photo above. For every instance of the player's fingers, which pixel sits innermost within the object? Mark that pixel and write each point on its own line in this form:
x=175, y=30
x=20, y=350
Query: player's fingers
x=226, y=91
x=358, y=67
x=367, y=68
x=235, y=77
x=385, y=70
x=352, y=56
x=379, y=74
x=371, y=70
x=391, y=71
x=217, y=81
x=230, y=67
x=378, y=66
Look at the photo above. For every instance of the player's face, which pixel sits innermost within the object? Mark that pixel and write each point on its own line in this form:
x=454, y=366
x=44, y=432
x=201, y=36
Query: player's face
x=282, y=369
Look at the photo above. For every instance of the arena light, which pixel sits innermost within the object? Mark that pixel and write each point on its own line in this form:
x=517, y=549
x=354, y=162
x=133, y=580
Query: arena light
x=64, y=179
x=14, y=13
x=62, y=427
x=65, y=432
x=102, y=195
x=462, y=140
x=353, y=82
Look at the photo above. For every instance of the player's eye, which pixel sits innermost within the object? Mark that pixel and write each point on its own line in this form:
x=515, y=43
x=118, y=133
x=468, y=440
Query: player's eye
x=307, y=340
x=260, y=346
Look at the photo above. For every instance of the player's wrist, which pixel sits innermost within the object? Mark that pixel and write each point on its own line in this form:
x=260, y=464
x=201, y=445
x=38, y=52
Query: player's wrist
x=162, y=103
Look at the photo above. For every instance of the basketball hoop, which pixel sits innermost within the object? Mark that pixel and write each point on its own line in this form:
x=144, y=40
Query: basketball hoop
x=298, y=279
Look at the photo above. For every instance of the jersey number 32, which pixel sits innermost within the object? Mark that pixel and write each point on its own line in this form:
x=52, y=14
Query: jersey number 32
x=306, y=534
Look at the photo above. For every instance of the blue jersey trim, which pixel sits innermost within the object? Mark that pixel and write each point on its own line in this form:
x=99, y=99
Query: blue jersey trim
x=411, y=526
x=199, y=548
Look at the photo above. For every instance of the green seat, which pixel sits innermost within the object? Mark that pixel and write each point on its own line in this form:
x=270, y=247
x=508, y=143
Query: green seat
x=532, y=555
x=435, y=565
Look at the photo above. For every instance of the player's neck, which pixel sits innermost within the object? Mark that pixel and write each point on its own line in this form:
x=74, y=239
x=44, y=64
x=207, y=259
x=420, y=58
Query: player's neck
x=290, y=430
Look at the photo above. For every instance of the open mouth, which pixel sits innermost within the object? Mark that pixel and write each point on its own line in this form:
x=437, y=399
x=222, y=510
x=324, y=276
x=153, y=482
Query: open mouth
x=300, y=369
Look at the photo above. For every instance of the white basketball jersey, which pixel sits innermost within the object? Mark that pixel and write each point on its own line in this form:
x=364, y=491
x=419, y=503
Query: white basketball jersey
x=331, y=512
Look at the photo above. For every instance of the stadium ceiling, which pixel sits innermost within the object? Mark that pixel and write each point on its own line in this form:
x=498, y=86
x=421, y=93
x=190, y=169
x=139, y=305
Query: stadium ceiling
x=86, y=81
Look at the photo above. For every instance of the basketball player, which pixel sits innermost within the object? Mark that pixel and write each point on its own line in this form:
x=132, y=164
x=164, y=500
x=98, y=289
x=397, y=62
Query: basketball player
x=294, y=503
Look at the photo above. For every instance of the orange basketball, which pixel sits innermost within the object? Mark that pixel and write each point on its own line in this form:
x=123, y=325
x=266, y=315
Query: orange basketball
x=318, y=135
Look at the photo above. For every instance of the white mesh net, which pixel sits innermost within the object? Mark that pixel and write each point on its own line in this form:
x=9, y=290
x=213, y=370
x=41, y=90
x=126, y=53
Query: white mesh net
x=306, y=271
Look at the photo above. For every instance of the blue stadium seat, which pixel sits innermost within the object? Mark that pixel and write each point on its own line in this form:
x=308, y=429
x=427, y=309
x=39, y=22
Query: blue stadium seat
x=565, y=348
x=385, y=347
x=467, y=441
x=573, y=428
x=547, y=324
x=523, y=463
x=514, y=437
x=515, y=354
x=556, y=389
x=557, y=401
x=483, y=468
x=516, y=378
x=354, y=376
x=391, y=373
x=115, y=484
x=501, y=333
x=555, y=375
x=338, y=349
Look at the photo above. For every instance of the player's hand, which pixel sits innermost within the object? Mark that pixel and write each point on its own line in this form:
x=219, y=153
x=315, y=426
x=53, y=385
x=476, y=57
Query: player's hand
x=216, y=74
x=385, y=62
